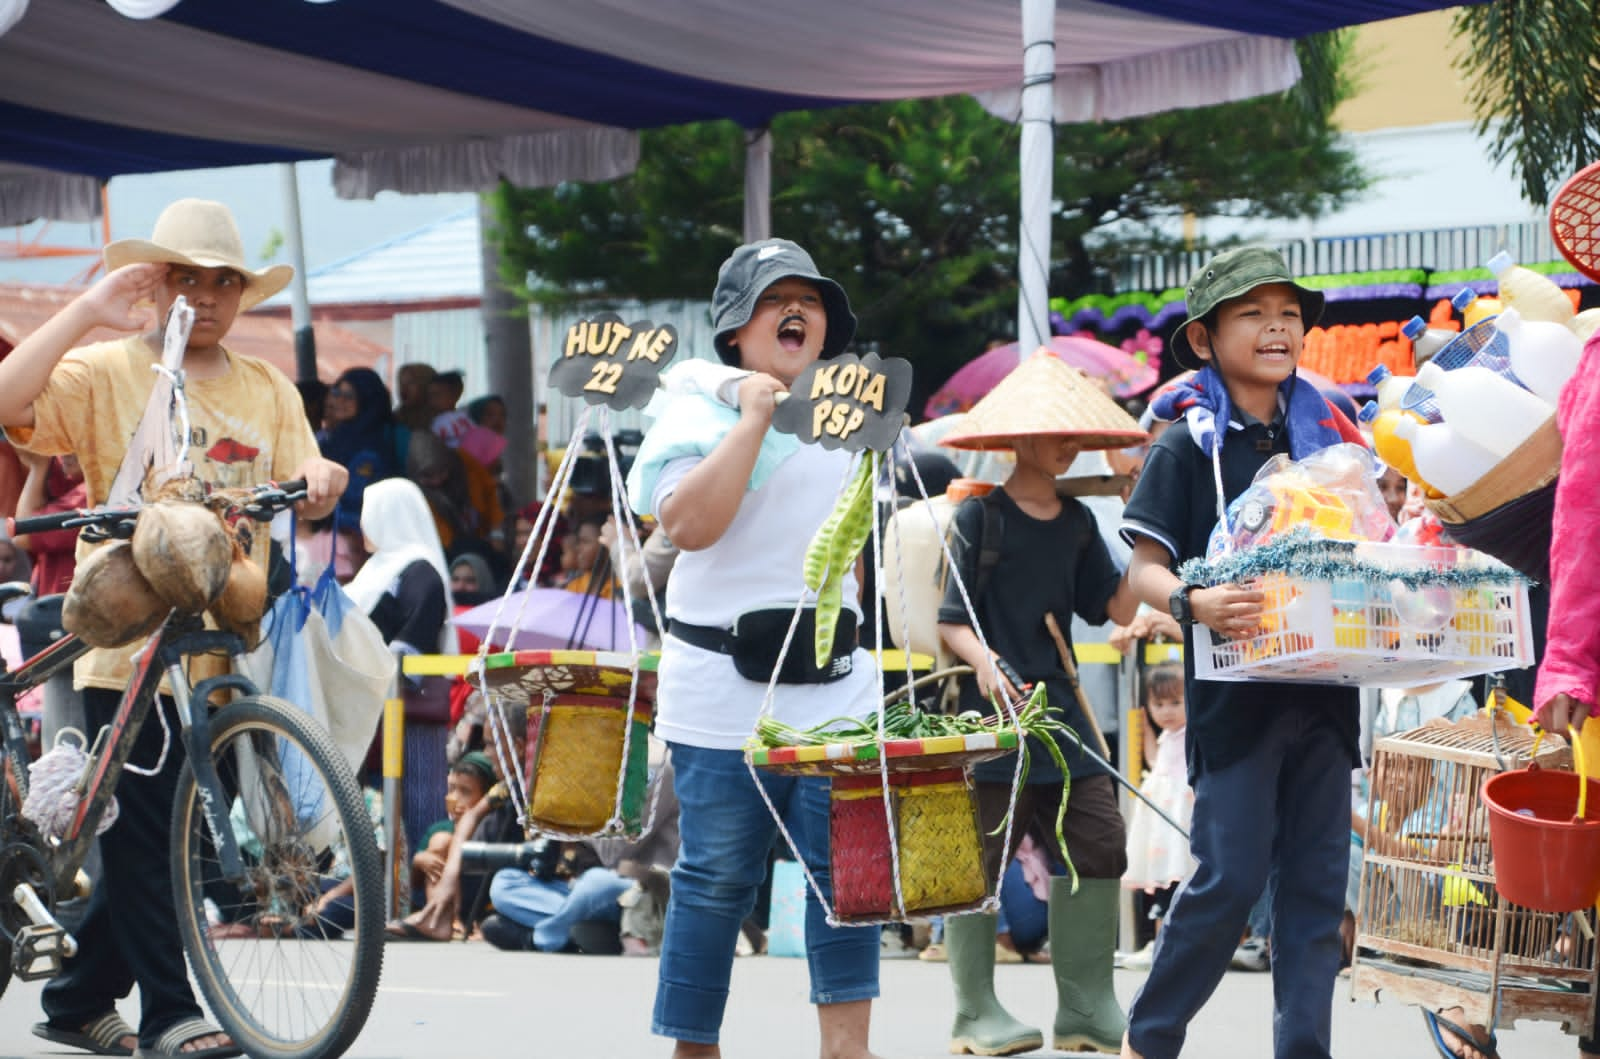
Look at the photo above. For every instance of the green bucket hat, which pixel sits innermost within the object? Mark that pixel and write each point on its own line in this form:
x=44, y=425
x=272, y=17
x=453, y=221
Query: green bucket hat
x=1232, y=274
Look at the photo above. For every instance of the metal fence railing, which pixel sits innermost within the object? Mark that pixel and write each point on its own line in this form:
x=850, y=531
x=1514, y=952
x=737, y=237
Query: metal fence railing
x=1437, y=250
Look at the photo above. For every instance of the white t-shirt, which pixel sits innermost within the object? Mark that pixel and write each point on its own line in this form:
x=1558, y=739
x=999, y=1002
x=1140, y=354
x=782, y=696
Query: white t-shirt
x=701, y=700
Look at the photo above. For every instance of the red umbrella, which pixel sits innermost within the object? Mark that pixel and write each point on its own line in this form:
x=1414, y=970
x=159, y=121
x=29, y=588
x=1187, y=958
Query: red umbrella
x=1127, y=373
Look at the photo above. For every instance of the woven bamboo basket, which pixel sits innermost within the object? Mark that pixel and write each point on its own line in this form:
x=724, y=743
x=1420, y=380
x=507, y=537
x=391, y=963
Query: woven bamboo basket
x=940, y=849
x=577, y=726
x=575, y=746
x=1432, y=929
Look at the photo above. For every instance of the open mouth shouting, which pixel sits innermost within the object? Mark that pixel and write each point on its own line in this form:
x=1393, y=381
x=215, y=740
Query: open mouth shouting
x=792, y=332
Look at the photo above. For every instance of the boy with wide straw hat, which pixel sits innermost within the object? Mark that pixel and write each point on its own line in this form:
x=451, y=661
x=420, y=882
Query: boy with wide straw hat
x=247, y=425
x=1030, y=560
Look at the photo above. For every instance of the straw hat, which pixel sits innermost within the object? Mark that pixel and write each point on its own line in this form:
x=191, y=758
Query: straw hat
x=1044, y=397
x=200, y=234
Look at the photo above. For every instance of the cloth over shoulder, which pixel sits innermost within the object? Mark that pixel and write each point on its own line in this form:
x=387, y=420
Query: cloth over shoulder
x=690, y=425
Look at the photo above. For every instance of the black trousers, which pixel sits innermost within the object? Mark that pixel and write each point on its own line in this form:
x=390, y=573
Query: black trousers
x=129, y=934
x=1093, y=828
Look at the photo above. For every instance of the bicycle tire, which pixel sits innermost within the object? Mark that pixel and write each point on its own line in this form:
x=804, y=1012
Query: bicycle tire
x=256, y=979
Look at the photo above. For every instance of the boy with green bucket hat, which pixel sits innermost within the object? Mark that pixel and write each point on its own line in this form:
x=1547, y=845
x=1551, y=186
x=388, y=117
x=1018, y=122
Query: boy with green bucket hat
x=1269, y=762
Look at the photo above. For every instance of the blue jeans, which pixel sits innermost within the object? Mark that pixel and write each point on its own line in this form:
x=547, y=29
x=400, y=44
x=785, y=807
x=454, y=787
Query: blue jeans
x=1281, y=814
x=727, y=832
x=550, y=908
x=1022, y=914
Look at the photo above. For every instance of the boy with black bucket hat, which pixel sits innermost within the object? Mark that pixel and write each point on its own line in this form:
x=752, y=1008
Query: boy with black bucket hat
x=1269, y=762
x=742, y=500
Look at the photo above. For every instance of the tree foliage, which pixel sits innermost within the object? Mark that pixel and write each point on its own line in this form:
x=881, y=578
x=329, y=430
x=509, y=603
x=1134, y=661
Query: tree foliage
x=1535, y=86
x=913, y=205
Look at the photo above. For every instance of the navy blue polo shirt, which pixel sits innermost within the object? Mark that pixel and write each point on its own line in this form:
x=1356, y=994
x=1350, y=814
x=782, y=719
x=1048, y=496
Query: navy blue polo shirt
x=1175, y=504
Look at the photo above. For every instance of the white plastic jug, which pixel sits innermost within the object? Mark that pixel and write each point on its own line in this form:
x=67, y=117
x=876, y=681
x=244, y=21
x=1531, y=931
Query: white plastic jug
x=1536, y=297
x=1446, y=462
x=1425, y=340
x=1490, y=411
x=1543, y=355
x=1391, y=387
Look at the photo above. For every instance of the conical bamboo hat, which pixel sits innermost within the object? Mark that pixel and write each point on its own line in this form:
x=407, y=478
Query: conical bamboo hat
x=1045, y=397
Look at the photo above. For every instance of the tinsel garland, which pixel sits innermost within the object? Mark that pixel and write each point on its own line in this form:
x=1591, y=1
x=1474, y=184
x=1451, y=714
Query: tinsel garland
x=1303, y=553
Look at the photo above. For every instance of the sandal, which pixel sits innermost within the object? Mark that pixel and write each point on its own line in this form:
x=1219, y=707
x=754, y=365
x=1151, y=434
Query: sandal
x=1489, y=1046
x=102, y=1036
x=170, y=1044
x=400, y=930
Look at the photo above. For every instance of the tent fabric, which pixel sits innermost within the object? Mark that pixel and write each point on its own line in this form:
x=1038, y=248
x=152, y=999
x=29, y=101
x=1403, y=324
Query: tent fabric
x=463, y=91
x=28, y=192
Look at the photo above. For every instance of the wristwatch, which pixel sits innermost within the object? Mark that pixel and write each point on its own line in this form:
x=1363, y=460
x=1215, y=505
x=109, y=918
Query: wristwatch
x=1178, y=603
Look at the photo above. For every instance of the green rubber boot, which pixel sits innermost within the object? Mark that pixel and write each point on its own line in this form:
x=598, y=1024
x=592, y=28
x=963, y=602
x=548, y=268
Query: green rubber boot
x=982, y=1026
x=1083, y=941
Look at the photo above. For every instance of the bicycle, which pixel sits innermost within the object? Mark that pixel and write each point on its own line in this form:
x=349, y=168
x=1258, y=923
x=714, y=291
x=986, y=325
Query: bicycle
x=266, y=819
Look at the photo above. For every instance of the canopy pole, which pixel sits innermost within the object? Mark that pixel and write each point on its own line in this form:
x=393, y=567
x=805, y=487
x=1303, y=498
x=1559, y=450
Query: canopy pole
x=305, y=340
x=508, y=340
x=1038, y=172
x=757, y=184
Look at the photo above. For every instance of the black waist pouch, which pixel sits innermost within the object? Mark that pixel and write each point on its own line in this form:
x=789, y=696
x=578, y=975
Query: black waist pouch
x=757, y=642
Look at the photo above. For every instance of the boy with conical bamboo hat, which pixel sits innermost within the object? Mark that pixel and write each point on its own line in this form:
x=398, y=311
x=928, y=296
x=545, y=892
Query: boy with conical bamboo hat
x=1030, y=560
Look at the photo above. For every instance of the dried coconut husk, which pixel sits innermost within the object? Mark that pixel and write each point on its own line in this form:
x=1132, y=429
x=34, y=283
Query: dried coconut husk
x=185, y=553
x=110, y=603
x=243, y=601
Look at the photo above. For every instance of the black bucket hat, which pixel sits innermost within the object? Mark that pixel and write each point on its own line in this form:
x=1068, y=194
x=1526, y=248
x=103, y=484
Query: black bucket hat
x=1233, y=274
x=753, y=268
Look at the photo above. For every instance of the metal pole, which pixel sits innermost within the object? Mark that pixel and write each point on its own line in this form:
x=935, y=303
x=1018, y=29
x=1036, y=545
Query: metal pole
x=757, y=184
x=509, y=343
x=305, y=341
x=396, y=896
x=1038, y=172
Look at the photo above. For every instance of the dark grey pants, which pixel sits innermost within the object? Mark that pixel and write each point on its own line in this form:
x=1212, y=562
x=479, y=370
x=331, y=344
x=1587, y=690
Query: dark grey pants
x=1282, y=812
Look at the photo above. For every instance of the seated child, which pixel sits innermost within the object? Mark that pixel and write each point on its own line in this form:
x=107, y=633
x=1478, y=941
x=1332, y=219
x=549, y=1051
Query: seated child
x=467, y=800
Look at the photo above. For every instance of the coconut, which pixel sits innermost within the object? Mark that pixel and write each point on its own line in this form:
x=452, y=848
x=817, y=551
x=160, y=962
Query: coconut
x=184, y=552
x=110, y=603
x=244, y=598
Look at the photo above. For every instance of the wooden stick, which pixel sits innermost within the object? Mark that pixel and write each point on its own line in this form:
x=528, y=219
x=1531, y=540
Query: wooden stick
x=1071, y=667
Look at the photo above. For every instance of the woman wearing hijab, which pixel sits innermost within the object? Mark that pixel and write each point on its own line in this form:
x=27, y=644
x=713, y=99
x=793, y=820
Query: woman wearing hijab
x=360, y=435
x=404, y=586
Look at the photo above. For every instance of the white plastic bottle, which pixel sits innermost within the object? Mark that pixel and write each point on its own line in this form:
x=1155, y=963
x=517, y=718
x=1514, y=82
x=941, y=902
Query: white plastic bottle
x=1391, y=387
x=1543, y=355
x=1536, y=297
x=1446, y=462
x=1486, y=409
x=1425, y=340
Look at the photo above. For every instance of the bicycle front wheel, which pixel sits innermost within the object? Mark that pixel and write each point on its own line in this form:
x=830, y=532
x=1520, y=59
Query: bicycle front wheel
x=288, y=956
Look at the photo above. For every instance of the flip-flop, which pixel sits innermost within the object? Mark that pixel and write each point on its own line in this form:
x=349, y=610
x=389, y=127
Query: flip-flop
x=170, y=1044
x=103, y=1036
x=1489, y=1047
x=400, y=930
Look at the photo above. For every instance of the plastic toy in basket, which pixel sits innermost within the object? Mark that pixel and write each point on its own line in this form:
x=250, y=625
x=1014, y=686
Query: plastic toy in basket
x=1334, y=491
x=1368, y=613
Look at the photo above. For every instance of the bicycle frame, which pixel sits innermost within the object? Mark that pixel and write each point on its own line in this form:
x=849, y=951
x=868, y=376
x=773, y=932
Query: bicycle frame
x=162, y=655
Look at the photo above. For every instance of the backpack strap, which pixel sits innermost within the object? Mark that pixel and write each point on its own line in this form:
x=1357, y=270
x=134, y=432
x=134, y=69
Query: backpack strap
x=990, y=536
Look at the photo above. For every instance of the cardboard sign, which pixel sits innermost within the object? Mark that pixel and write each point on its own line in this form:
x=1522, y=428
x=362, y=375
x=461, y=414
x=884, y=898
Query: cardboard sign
x=848, y=402
x=605, y=361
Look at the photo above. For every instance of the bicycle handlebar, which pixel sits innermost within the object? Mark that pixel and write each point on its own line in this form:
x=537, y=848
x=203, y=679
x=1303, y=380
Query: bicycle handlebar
x=264, y=502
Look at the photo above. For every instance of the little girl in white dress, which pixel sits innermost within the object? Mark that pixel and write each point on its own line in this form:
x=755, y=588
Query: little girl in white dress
x=1158, y=855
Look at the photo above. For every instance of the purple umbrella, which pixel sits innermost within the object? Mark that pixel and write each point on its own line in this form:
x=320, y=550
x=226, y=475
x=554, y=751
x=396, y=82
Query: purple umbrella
x=1125, y=372
x=554, y=620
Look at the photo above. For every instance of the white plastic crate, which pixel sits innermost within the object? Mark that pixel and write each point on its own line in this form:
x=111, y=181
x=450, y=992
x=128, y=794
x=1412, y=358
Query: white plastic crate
x=1355, y=633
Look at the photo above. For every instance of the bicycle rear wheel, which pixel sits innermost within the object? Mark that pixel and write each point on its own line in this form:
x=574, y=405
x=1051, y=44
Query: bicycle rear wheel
x=285, y=981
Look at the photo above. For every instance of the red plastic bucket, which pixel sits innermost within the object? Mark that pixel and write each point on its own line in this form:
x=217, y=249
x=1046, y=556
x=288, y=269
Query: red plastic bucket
x=1544, y=857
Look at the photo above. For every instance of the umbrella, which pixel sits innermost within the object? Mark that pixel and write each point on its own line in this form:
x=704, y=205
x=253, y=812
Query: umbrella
x=1127, y=373
x=554, y=619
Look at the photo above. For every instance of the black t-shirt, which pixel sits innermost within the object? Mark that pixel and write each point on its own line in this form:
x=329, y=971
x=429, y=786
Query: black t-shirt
x=1059, y=566
x=413, y=610
x=1175, y=504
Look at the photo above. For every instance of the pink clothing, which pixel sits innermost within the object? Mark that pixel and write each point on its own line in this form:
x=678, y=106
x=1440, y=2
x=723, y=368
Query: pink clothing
x=1571, y=662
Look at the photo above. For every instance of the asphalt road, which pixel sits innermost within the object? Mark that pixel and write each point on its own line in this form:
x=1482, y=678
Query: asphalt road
x=471, y=1000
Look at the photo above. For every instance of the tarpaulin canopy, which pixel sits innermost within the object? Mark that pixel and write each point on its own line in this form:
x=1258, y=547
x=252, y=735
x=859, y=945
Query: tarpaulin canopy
x=434, y=95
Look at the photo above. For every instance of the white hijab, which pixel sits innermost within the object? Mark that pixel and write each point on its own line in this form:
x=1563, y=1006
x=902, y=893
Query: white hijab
x=396, y=519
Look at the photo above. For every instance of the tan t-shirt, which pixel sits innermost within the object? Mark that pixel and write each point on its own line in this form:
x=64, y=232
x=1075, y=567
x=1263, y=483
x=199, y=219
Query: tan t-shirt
x=247, y=426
